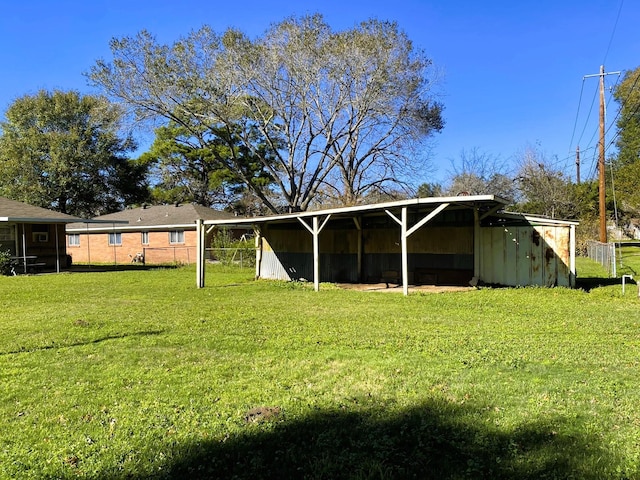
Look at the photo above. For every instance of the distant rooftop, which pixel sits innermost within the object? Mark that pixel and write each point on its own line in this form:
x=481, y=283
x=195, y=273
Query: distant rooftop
x=156, y=216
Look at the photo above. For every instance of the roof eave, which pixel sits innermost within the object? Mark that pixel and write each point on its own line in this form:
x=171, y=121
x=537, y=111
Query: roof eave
x=461, y=200
x=537, y=218
x=38, y=220
x=113, y=226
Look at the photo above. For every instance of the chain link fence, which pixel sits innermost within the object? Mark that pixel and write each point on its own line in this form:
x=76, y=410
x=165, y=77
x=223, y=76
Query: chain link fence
x=604, y=254
x=167, y=255
x=244, y=256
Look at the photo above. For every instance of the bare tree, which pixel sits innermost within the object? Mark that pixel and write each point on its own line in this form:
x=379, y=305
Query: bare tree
x=545, y=190
x=480, y=173
x=341, y=111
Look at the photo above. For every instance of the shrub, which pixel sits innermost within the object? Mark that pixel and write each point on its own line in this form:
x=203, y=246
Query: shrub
x=5, y=262
x=229, y=250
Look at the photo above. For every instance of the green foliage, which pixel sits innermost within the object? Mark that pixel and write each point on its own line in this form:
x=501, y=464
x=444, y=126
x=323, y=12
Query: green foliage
x=583, y=206
x=469, y=183
x=429, y=190
x=193, y=164
x=5, y=262
x=583, y=198
x=229, y=250
x=628, y=140
x=626, y=165
x=544, y=189
x=627, y=184
x=61, y=150
x=480, y=173
x=138, y=374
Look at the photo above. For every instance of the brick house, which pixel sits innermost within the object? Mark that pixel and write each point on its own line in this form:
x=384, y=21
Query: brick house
x=155, y=234
x=34, y=236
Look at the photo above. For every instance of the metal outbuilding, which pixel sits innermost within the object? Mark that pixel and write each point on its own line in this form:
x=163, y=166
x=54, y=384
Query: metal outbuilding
x=439, y=240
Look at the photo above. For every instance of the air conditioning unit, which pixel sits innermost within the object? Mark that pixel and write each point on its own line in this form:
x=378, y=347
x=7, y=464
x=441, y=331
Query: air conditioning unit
x=40, y=237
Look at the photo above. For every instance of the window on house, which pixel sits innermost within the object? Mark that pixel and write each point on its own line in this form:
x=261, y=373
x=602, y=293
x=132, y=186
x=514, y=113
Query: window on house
x=74, y=239
x=144, y=238
x=115, y=239
x=177, y=236
x=6, y=234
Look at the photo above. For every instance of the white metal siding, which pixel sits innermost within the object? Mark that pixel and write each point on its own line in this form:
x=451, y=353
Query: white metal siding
x=271, y=267
x=525, y=255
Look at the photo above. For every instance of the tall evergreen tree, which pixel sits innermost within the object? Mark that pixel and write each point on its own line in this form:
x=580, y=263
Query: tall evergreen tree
x=195, y=167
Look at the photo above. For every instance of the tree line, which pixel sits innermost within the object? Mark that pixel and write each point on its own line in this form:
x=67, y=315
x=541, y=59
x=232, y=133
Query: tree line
x=300, y=117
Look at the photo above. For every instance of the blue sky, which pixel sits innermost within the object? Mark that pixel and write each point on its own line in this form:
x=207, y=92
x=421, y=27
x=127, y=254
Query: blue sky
x=512, y=71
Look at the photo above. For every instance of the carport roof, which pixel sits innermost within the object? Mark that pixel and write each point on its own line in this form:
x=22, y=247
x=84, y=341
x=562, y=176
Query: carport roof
x=487, y=202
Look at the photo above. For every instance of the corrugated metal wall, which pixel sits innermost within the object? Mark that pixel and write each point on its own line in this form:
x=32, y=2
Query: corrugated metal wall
x=299, y=266
x=525, y=255
x=510, y=255
x=434, y=251
x=287, y=255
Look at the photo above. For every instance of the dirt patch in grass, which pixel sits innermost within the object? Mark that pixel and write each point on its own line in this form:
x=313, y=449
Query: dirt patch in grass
x=382, y=287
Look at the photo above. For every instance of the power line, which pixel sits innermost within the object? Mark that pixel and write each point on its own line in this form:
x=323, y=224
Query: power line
x=601, y=152
x=613, y=32
x=592, y=104
x=586, y=122
x=575, y=123
x=633, y=113
x=615, y=26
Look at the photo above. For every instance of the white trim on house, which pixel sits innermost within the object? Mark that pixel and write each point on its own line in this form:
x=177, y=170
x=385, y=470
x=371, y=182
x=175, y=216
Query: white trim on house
x=533, y=219
x=125, y=226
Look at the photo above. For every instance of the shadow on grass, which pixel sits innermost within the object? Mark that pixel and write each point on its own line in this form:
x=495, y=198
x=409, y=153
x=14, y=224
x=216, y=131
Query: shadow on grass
x=589, y=283
x=53, y=345
x=80, y=268
x=437, y=440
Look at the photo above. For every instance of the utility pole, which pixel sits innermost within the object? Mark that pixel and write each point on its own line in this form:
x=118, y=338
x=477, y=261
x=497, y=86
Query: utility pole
x=578, y=164
x=601, y=152
x=601, y=182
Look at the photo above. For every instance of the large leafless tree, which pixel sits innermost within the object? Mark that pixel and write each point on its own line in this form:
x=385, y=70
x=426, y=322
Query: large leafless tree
x=481, y=173
x=545, y=190
x=342, y=112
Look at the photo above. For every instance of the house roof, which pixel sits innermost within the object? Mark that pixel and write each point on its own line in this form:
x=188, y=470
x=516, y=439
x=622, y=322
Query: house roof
x=154, y=217
x=14, y=211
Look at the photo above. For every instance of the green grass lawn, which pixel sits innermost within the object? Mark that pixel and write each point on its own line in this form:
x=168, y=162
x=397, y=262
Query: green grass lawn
x=628, y=260
x=138, y=374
